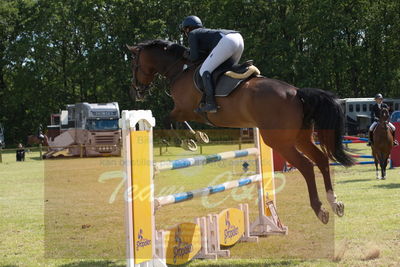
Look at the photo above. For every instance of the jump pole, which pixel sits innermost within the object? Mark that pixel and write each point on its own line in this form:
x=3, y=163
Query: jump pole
x=144, y=243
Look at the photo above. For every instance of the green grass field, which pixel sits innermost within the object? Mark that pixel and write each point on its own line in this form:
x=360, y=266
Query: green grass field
x=69, y=212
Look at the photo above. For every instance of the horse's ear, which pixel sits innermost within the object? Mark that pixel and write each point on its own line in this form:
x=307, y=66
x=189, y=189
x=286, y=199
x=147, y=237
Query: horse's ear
x=133, y=49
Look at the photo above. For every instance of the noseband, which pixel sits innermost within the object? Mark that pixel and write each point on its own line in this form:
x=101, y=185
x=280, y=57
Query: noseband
x=136, y=85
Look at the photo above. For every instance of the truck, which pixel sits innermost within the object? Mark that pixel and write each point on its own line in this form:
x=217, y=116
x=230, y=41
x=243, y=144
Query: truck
x=87, y=129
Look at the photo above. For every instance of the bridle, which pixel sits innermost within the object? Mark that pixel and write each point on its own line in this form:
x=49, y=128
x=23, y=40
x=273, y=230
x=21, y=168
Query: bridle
x=384, y=121
x=136, y=85
x=140, y=88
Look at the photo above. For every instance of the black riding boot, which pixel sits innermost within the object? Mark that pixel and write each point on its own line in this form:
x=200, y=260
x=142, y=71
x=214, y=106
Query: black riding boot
x=395, y=142
x=210, y=105
x=371, y=138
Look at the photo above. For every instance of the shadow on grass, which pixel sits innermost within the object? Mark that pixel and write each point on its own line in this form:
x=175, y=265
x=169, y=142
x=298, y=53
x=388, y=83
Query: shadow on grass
x=36, y=158
x=94, y=264
x=279, y=263
x=388, y=186
x=354, y=181
x=229, y=263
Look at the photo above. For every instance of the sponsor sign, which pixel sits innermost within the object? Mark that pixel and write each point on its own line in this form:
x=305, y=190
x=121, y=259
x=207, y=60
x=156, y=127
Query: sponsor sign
x=183, y=242
x=231, y=226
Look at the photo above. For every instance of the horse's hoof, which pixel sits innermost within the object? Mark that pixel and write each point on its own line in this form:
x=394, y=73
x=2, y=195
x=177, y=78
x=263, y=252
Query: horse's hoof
x=339, y=209
x=202, y=137
x=383, y=178
x=323, y=215
x=189, y=145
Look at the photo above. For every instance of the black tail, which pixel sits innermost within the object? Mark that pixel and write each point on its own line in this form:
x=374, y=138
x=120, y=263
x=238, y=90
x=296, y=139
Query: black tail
x=322, y=109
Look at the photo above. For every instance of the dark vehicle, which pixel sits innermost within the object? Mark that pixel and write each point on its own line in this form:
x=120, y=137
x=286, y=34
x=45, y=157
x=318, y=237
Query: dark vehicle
x=2, y=143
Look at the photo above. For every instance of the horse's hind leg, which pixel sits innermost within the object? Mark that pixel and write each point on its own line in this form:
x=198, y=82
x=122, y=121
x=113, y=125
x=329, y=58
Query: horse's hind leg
x=306, y=168
x=306, y=145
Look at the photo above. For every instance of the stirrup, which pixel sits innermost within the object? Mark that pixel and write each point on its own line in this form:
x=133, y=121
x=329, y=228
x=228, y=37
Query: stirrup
x=207, y=107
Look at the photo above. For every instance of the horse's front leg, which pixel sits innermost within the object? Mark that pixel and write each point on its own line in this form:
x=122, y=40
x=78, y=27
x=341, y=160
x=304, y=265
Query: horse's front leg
x=175, y=117
x=376, y=166
x=383, y=168
x=170, y=124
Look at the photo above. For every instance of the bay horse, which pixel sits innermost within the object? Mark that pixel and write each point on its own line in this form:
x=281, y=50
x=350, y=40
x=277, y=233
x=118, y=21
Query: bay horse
x=382, y=144
x=34, y=140
x=285, y=114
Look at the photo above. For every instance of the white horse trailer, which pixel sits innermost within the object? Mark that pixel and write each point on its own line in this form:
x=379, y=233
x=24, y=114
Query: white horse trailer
x=90, y=129
x=358, y=112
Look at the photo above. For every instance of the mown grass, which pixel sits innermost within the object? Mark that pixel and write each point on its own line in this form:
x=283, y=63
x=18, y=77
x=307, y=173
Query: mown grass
x=57, y=213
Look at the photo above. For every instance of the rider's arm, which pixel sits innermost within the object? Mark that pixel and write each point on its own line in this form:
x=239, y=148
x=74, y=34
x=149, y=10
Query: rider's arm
x=194, y=47
x=375, y=112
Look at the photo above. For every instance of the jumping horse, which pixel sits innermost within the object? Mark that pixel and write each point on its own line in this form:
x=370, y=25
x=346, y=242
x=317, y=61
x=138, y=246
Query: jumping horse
x=285, y=115
x=382, y=144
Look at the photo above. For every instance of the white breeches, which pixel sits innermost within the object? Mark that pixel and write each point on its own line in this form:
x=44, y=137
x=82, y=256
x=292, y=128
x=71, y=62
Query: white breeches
x=230, y=46
x=371, y=128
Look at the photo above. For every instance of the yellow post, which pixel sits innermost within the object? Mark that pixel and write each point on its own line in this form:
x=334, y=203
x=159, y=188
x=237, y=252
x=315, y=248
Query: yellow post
x=268, y=220
x=137, y=136
x=141, y=175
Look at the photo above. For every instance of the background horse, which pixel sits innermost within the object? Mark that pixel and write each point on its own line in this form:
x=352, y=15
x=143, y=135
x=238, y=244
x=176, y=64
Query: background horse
x=34, y=140
x=382, y=144
x=284, y=114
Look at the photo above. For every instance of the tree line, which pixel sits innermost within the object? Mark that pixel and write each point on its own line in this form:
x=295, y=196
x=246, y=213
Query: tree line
x=59, y=52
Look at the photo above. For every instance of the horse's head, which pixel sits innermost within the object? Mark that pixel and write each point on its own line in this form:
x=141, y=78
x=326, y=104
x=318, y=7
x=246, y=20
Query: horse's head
x=384, y=115
x=150, y=58
x=142, y=72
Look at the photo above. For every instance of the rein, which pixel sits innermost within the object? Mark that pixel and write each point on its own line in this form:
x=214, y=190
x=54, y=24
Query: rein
x=173, y=78
x=169, y=73
x=384, y=122
x=141, y=88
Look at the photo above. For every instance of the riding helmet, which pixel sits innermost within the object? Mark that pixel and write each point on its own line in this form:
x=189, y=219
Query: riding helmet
x=192, y=21
x=378, y=96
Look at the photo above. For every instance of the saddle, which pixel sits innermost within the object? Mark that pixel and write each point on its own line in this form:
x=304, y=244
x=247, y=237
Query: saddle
x=227, y=78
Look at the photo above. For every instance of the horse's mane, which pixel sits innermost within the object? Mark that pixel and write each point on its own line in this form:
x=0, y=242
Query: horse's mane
x=173, y=48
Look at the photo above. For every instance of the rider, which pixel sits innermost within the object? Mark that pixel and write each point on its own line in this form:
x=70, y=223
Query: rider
x=220, y=45
x=375, y=114
x=40, y=134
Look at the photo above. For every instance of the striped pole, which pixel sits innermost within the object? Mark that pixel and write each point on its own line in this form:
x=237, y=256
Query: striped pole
x=185, y=196
x=353, y=141
x=355, y=138
x=357, y=162
x=347, y=142
x=202, y=160
x=363, y=156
